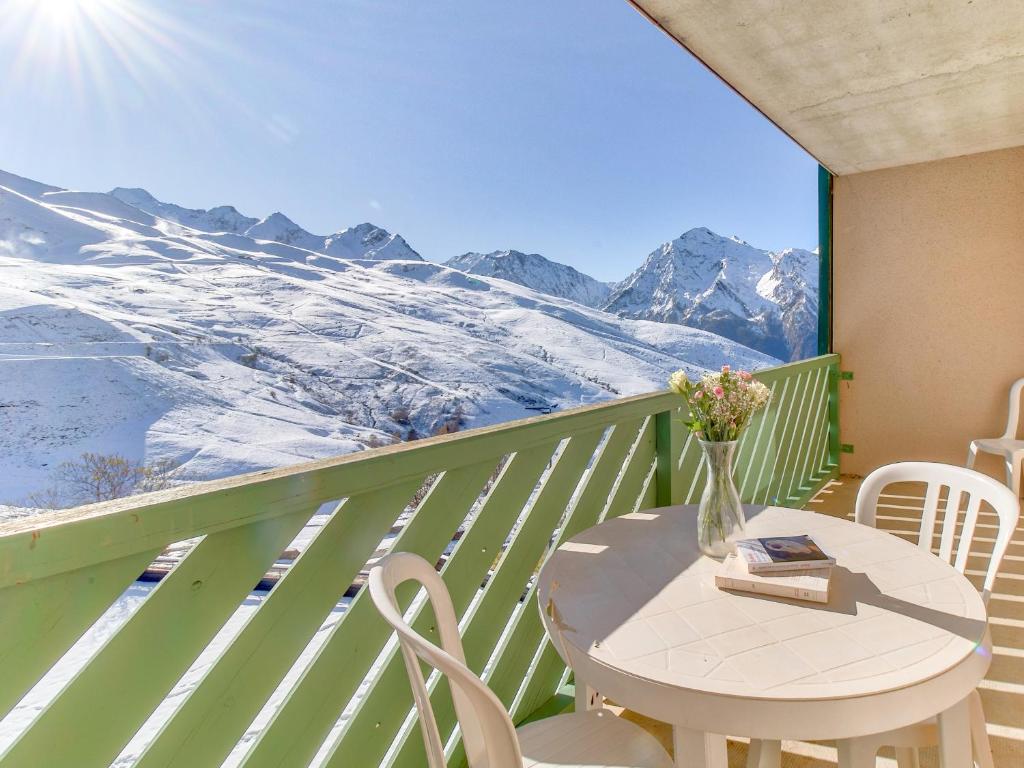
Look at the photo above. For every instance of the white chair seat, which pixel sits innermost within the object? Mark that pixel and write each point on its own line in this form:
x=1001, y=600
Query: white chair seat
x=594, y=739
x=1001, y=446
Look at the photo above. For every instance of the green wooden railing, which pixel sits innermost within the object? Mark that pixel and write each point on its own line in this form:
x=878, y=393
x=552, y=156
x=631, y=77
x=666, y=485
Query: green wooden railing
x=498, y=500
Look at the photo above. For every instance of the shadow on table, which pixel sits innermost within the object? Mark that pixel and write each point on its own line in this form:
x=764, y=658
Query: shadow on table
x=850, y=588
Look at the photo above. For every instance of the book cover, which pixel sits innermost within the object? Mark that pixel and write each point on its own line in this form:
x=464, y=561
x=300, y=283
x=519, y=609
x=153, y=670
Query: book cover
x=782, y=553
x=807, y=584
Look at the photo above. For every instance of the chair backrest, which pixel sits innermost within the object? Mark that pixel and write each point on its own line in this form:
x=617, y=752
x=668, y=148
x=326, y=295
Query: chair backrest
x=1013, y=419
x=959, y=482
x=488, y=735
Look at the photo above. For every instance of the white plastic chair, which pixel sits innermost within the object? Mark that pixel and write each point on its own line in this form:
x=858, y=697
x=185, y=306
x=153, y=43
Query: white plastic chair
x=1007, y=446
x=977, y=488
x=594, y=738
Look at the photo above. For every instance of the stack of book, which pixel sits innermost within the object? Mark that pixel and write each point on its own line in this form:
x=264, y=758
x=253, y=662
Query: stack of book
x=782, y=566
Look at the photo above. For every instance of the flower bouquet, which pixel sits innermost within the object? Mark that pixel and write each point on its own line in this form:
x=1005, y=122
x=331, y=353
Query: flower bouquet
x=721, y=405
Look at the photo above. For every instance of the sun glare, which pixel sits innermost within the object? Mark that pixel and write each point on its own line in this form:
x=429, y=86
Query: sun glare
x=66, y=35
x=109, y=58
x=93, y=49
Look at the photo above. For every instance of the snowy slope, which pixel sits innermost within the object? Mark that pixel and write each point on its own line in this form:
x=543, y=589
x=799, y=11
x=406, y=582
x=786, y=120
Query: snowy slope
x=536, y=272
x=728, y=287
x=123, y=331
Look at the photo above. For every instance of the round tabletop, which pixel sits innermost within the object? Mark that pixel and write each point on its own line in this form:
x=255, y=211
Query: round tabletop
x=634, y=610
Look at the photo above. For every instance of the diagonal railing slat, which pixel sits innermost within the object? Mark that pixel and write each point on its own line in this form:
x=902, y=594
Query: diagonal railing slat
x=812, y=429
x=560, y=473
x=750, y=445
x=106, y=702
x=313, y=713
x=216, y=714
x=590, y=495
x=782, y=412
x=788, y=444
x=346, y=657
x=466, y=571
x=634, y=473
x=51, y=614
x=509, y=673
x=488, y=613
x=512, y=681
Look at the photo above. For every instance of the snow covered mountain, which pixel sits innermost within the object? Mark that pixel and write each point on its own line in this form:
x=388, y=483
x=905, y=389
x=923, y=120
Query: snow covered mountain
x=364, y=241
x=792, y=284
x=124, y=331
x=536, y=272
x=767, y=301
x=763, y=299
x=223, y=218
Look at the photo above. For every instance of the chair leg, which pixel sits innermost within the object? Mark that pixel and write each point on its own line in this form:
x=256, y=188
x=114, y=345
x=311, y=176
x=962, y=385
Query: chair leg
x=1013, y=472
x=587, y=698
x=856, y=753
x=972, y=455
x=979, y=733
x=906, y=757
x=765, y=753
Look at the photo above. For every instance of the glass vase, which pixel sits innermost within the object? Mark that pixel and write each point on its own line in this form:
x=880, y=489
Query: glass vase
x=720, y=518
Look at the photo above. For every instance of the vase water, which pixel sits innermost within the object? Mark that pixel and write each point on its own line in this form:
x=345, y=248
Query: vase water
x=720, y=519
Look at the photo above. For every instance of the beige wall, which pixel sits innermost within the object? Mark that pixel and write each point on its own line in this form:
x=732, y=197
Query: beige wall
x=928, y=305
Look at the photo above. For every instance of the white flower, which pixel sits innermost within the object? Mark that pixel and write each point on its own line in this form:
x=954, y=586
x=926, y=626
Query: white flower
x=678, y=382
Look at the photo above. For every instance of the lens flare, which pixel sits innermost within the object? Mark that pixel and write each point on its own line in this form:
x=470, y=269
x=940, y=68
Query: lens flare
x=120, y=55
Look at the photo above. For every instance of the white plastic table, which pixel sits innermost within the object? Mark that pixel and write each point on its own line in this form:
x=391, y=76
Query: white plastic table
x=632, y=608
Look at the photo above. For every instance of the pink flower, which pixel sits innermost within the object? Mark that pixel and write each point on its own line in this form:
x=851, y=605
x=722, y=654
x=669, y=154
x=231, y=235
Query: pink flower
x=745, y=375
x=719, y=392
x=698, y=394
x=726, y=369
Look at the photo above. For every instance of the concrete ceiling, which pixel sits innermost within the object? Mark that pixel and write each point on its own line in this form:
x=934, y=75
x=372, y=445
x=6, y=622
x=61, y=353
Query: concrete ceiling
x=866, y=84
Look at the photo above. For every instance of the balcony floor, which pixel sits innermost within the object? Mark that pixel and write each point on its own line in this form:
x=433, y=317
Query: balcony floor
x=1002, y=691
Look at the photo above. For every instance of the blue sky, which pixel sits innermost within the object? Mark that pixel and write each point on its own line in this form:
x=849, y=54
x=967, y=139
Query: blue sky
x=571, y=128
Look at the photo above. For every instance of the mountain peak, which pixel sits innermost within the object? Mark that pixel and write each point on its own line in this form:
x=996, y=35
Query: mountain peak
x=699, y=233
x=133, y=195
x=278, y=219
x=368, y=241
x=726, y=286
x=281, y=229
x=534, y=271
x=363, y=228
x=222, y=209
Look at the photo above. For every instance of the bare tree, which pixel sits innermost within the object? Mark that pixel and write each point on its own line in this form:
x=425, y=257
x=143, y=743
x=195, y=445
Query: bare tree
x=100, y=477
x=156, y=476
x=97, y=477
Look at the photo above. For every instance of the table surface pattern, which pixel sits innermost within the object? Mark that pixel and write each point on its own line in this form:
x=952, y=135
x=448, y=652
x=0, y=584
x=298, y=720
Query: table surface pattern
x=635, y=594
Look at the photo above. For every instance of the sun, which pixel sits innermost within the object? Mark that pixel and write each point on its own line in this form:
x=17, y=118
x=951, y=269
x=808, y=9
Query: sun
x=65, y=11
x=62, y=16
